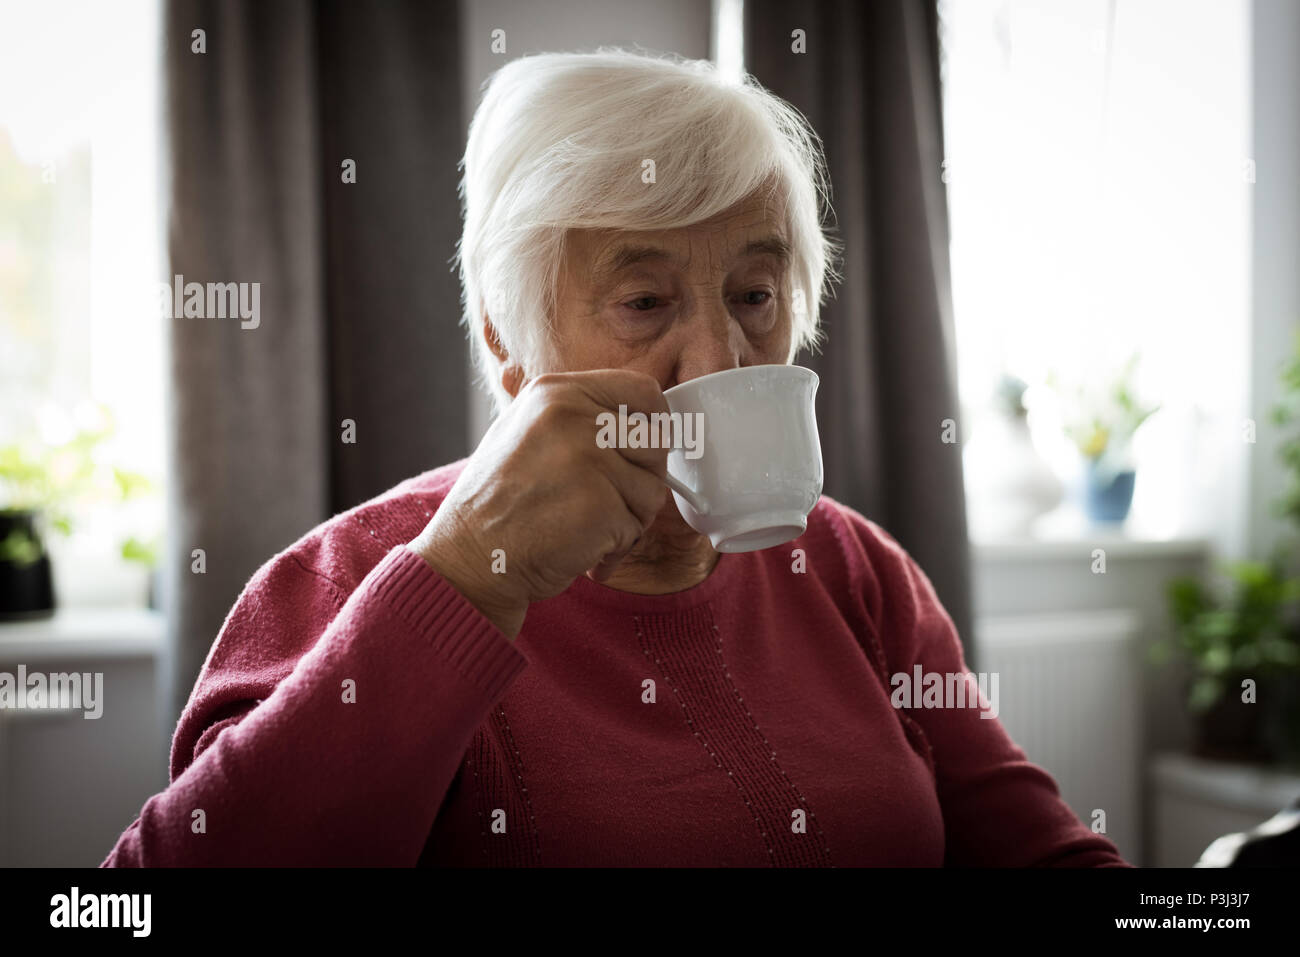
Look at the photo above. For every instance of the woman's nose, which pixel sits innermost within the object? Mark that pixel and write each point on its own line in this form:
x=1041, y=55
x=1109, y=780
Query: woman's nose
x=714, y=343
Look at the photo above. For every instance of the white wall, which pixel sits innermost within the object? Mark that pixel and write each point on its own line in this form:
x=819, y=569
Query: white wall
x=1276, y=238
x=670, y=26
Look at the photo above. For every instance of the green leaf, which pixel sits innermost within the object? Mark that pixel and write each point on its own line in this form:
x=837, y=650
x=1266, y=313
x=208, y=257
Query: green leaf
x=131, y=484
x=135, y=550
x=1205, y=693
x=1217, y=659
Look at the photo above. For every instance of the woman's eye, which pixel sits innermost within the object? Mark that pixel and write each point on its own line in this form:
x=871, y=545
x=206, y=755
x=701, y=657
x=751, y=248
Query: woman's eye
x=756, y=297
x=643, y=303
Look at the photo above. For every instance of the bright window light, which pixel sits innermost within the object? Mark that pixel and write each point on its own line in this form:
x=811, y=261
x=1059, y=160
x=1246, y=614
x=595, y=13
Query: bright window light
x=1099, y=183
x=729, y=38
x=80, y=241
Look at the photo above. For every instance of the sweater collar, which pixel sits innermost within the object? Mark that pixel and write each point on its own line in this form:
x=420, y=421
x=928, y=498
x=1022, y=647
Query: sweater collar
x=725, y=572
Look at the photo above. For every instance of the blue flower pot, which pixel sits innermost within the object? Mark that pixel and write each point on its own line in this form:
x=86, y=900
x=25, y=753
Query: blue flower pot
x=1108, y=495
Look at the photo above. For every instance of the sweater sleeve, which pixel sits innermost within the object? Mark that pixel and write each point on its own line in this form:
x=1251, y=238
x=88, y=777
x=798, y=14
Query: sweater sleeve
x=999, y=809
x=325, y=729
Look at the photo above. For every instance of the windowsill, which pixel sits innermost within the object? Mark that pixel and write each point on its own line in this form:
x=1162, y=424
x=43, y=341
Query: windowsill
x=1068, y=627
x=1066, y=533
x=1116, y=545
x=83, y=632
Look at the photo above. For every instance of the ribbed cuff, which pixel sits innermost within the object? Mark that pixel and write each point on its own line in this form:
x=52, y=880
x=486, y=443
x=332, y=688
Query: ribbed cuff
x=458, y=631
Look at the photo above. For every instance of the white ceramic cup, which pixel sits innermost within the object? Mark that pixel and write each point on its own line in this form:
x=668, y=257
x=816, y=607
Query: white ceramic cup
x=756, y=472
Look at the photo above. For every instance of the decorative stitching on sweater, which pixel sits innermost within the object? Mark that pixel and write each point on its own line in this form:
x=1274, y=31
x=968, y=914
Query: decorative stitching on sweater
x=418, y=512
x=474, y=758
x=383, y=542
x=738, y=755
x=758, y=821
x=767, y=744
x=498, y=783
x=870, y=642
x=429, y=508
x=517, y=766
x=914, y=733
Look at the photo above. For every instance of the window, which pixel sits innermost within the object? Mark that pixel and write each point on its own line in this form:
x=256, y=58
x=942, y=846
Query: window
x=1099, y=183
x=80, y=257
x=728, y=40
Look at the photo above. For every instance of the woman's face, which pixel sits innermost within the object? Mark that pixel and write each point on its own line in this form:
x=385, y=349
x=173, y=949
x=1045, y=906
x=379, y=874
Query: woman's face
x=675, y=304
x=678, y=304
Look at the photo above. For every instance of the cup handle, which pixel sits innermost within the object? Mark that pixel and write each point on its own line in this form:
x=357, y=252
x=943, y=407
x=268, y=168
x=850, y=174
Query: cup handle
x=698, y=501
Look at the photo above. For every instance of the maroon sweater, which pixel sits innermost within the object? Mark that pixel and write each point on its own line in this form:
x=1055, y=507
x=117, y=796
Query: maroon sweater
x=355, y=709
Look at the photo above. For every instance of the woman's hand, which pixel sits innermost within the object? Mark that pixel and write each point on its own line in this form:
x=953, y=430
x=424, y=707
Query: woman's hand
x=541, y=490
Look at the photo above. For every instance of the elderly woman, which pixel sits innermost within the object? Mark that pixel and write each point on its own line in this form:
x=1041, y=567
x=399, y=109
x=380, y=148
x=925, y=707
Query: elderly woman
x=528, y=657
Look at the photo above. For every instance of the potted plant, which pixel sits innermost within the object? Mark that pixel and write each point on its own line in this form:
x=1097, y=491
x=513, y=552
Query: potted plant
x=41, y=485
x=26, y=583
x=1243, y=649
x=1247, y=629
x=1101, y=420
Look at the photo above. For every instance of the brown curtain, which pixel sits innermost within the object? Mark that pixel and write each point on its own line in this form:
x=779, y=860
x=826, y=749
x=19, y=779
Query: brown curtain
x=359, y=306
x=867, y=78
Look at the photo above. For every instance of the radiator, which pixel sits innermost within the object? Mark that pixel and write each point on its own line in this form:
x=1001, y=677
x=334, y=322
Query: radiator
x=1068, y=687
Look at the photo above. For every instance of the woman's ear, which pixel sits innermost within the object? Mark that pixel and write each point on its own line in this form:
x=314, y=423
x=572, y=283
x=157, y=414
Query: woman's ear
x=512, y=373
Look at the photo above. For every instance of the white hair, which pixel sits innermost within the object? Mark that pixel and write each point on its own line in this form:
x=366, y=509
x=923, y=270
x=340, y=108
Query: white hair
x=558, y=143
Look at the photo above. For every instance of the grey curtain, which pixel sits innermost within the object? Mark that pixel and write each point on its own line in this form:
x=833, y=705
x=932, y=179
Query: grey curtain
x=358, y=304
x=868, y=81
